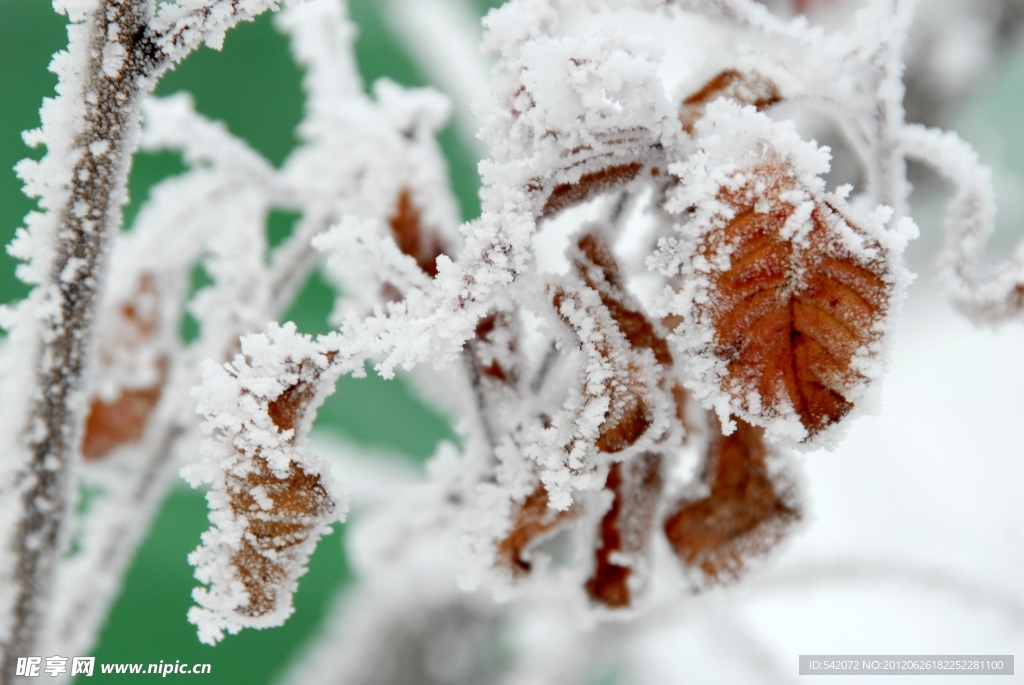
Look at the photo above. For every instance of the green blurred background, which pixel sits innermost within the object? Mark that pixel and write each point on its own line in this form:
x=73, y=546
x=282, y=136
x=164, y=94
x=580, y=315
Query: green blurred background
x=254, y=86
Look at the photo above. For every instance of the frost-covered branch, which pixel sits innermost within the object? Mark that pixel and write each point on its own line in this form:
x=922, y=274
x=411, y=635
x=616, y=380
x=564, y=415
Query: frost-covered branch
x=116, y=51
x=970, y=220
x=90, y=131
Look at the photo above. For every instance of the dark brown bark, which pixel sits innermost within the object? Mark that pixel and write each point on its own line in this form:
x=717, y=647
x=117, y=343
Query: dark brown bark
x=86, y=225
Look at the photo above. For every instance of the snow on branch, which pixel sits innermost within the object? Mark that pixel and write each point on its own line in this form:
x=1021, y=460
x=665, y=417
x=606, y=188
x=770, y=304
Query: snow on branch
x=970, y=221
x=138, y=412
x=117, y=50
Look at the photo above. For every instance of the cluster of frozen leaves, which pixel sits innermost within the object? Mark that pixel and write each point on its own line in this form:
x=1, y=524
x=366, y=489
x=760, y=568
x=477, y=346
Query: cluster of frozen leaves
x=607, y=426
x=623, y=421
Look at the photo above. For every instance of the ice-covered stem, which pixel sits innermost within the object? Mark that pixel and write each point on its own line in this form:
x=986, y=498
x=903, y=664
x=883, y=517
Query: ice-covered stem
x=116, y=52
x=970, y=219
x=118, y=58
x=888, y=182
x=493, y=363
x=139, y=406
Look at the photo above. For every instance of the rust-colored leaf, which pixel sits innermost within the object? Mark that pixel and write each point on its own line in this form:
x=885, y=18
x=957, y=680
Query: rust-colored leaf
x=289, y=408
x=790, y=315
x=626, y=527
x=273, y=534
x=625, y=426
x=597, y=266
x=413, y=239
x=287, y=511
x=291, y=405
x=745, y=514
x=629, y=413
x=531, y=520
x=746, y=88
x=590, y=184
x=122, y=421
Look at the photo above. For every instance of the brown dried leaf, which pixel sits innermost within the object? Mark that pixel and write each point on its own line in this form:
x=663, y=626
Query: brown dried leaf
x=789, y=317
x=746, y=88
x=269, y=547
x=590, y=184
x=631, y=331
x=744, y=517
x=626, y=528
x=597, y=266
x=123, y=420
x=629, y=413
x=288, y=410
x=413, y=239
x=289, y=511
x=532, y=520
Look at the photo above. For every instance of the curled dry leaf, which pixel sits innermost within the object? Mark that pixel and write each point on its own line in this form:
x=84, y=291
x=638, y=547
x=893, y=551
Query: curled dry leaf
x=625, y=532
x=615, y=377
x=532, y=520
x=566, y=195
x=615, y=331
x=628, y=369
x=597, y=267
x=627, y=361
x=745, y=516
x=271, y=500
x=281, y=513
x=745, y=87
